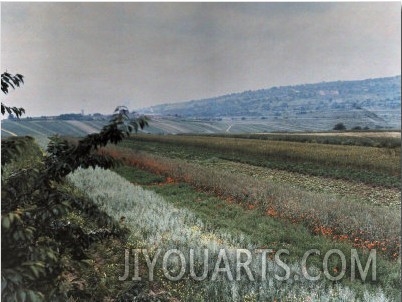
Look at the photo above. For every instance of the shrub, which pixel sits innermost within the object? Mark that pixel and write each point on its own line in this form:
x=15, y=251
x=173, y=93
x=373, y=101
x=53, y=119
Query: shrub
x=339, y=126
x=34, y=203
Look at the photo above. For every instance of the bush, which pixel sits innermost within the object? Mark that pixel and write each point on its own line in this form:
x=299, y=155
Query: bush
x=34, y=202
x=339, y=126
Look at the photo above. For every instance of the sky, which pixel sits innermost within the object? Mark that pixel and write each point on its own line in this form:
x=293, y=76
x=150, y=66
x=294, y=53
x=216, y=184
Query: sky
x=96, y=56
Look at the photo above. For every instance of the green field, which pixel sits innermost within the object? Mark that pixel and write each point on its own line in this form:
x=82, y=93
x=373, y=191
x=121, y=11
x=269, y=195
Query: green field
x=251, y=193
x=371, y=165
x=352, y=138
x=47, y=127
x=281, y=190
x=236, y=127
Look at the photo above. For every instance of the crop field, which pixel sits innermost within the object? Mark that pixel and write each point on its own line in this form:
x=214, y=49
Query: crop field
x=239, y=194
x=389, y=139
x=371, y=165
x=49, y=127
x=168, y=215
x=235, y=127
x=212, y=202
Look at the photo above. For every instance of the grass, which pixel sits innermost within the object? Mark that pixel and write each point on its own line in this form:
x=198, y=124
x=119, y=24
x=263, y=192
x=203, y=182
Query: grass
x=365, y=224
x=376, y=166
x=218, y=217
x=265, y=231
x=211, y=207
x=94, y=278
x=138, y=176
x=366, y=138
x=361, y=193
x=190, y=206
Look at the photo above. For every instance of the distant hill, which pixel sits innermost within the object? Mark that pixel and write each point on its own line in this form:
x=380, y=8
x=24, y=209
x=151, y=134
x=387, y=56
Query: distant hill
x=375, y=103
x=372, y=103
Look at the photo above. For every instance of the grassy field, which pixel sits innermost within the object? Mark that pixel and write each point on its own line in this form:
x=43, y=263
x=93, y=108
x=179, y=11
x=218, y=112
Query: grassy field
x=366, y=224
x=49, y=127
x=237, y=186
x=229, y=193
x=168, y=215
x=360, y=138
x=178, y=125
x=371, y=165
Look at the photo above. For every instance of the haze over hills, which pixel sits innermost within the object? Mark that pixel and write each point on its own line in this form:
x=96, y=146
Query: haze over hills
x=369, y=104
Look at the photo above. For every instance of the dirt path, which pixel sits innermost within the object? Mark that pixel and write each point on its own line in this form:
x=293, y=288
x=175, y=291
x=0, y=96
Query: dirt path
x=9, y=132
x=358, y=191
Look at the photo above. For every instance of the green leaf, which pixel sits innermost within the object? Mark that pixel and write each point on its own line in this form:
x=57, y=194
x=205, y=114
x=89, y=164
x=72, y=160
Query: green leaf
x=11, y=217
x=33, y=296
x=3, y=284
x=21, y=295
x=34, y=271
x=15, y=277
x=5, y=222
x=88, y=262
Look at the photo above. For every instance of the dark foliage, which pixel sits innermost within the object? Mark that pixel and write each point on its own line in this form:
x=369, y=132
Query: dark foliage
x=7, y=81
x=35, y=203
x=11, y=148
x=339, y=126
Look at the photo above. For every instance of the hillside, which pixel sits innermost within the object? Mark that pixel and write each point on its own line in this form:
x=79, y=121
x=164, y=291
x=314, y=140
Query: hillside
x=372, y=102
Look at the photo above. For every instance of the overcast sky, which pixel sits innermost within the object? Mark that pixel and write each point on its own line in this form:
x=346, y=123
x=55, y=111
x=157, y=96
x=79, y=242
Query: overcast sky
x=95, y=56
